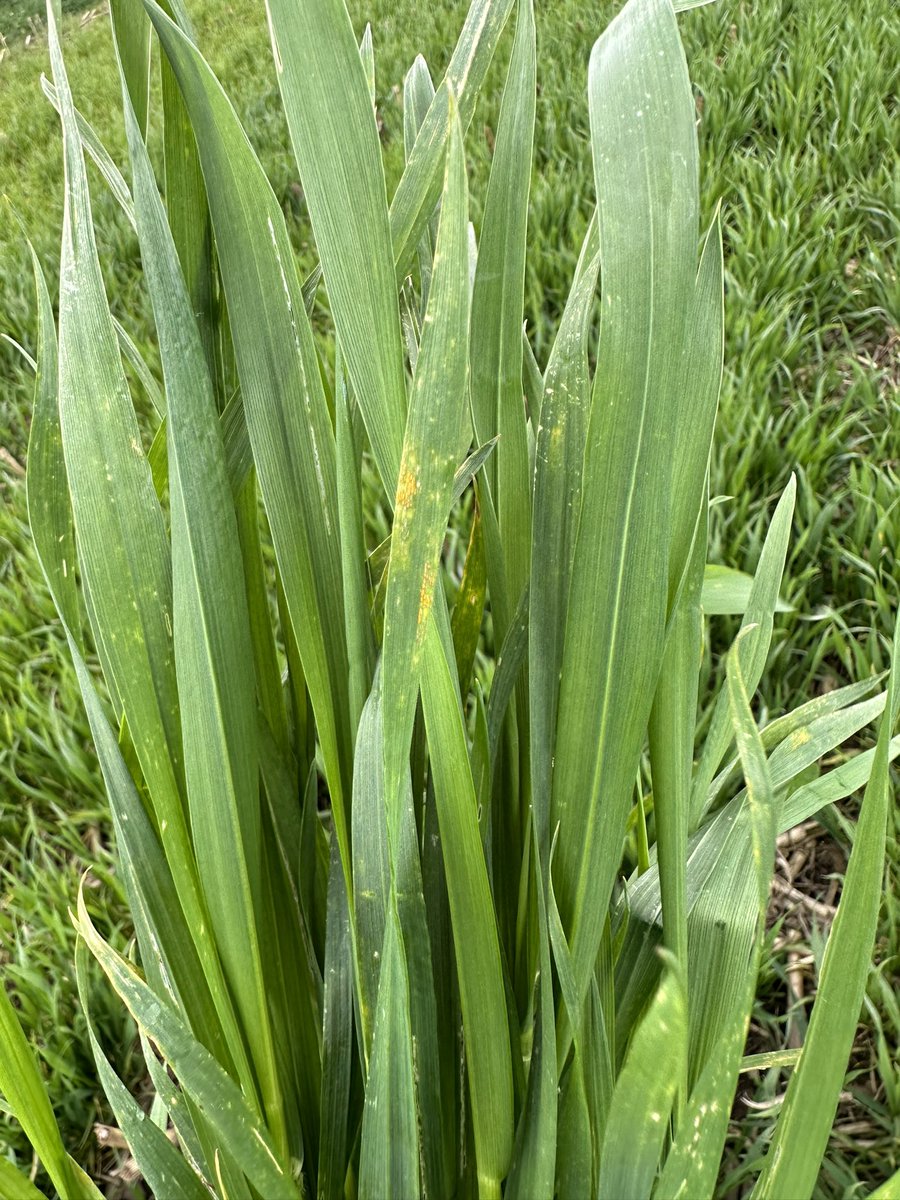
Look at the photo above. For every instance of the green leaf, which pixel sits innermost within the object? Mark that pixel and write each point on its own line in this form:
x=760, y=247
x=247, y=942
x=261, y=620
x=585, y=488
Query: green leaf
x=645, y=165
x=98, y=152
x=801, y=1135
x=46, y=484
x=15, y=1183
x=559, y=458
x=132, y=30
x=337, y=1038
x=284, y=402
x=431, y=450
x=475, y=937
x=162, y=1166
x=21, y=1084
x=642, y=1100
x=726, y=592
x=758, y=621
x=213, y=648
x=497, y=302
x=327, y=104
x=420, y=184
x=123, y=549
x=389, y=1154
x=215, y=1093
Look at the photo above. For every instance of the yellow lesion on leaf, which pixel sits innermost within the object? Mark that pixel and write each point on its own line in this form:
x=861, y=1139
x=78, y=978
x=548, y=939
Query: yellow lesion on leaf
x=408, y=483
x=426, y=592
x=799, y=738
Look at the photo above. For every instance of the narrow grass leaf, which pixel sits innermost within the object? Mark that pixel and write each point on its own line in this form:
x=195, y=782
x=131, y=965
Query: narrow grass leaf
x=23, y=1088
x=103, y=160
x=643, y=1095
x=420, y=184
x=758, y=618
x=215, y=1093
x=337, y=1038
x=475, y=937
x=46, y=484
x=497, y=302
x=389, y=1152
x=287, y=416
x=213, y=647
x=431, y=450
x=162, y=1166
x=645, y=166
x=726, y=592
x=801, y=1135
x=327, y=104
x=691, y=1167
x=558, y=465
x=132, y=30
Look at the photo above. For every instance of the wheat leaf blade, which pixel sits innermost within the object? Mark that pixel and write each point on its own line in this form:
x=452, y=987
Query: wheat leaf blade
x=645, y=163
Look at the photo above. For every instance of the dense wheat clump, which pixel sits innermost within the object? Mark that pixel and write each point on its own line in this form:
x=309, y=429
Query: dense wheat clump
x=372, y=794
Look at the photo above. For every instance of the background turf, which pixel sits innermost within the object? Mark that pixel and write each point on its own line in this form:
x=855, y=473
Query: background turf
x=797, y=110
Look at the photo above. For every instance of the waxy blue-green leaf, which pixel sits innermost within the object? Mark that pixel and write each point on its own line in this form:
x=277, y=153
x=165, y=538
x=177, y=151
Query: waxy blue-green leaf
x=164, y=1169
x=133, y=34
x=673, y=716
x=213, y=647
x=284, y=402
x=98, y=152
x=645, y=165
x=420, y=184
x=431, y=449
x=418, y=93
x=792, y=1164
x=475, y=937
x=558, y=464
x=691, y=1166
x=643, y=1095
x=215, y=1094
x=497, y=302
x=389, y=1152
x=123, y=549
x=758, y=619
x=337, y=1038
x=162, y=931
x=371, y=860
x=328, y=106
x=46, y=484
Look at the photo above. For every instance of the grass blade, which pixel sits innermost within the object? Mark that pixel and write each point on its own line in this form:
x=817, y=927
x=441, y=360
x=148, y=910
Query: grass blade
x=645, y=165
x=420, y=185
x=161, y=1165
x=389, y=1155
x=21, y=1084
x=213, y=648
x=214, y=1092
x=758, y=618
x=643, y=1095
x=327, y=104
x=559, y=459
x=475, y=935
x=287, y=416
x=431, y=449
x=497, y=302
x=801, y=1135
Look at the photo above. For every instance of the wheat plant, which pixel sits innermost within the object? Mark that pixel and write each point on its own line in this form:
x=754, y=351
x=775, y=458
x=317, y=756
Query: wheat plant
x=440, y=884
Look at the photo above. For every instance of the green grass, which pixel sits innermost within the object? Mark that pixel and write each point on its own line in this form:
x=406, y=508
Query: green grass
x=796, y=104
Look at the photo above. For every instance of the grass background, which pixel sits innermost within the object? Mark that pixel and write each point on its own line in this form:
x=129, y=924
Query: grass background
x=797, y=110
